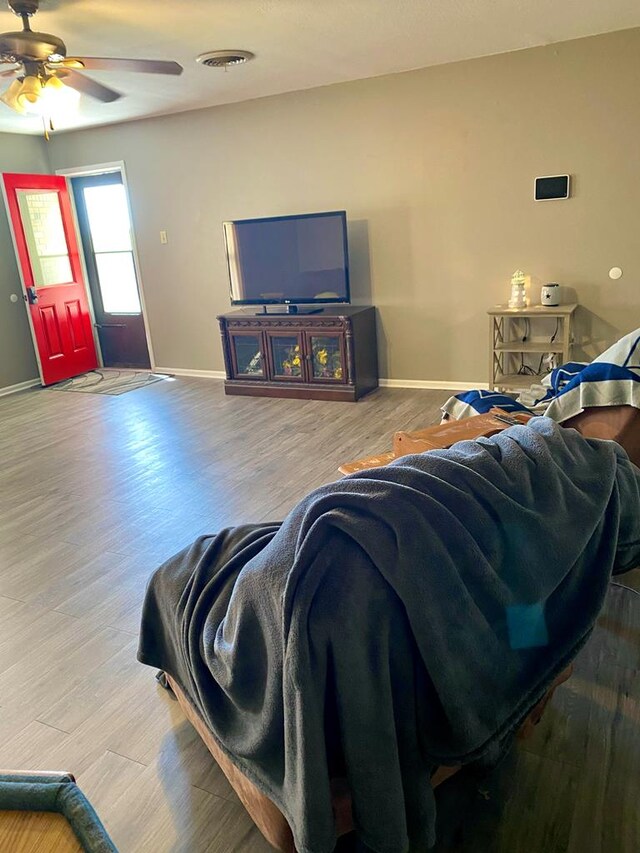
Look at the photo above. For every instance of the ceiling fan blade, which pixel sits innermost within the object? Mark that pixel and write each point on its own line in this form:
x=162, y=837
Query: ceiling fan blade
x=10, y=73
x=87, y=86
x=148, y=66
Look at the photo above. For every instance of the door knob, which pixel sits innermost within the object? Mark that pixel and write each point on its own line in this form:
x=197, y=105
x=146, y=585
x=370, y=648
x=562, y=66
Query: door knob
x=32, y=295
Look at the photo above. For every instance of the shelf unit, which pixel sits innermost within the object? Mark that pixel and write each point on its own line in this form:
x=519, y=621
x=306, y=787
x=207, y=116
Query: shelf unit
x=505, y=346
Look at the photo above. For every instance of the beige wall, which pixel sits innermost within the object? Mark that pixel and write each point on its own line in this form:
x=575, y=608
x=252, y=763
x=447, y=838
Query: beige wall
x=17, y=361
x=435, y=168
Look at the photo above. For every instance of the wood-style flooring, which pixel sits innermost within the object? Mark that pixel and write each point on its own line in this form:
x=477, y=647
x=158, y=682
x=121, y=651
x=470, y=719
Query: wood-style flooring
x=96, y=491
x=37, y=832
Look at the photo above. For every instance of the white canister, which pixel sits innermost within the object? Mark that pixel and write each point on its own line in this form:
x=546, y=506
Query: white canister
x=550, y=294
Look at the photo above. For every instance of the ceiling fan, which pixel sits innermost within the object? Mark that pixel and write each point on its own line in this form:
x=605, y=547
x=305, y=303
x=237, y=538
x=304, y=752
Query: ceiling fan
x=42, y=65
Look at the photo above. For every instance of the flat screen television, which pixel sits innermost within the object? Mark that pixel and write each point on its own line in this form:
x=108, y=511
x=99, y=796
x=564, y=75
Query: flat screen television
x=288, y=260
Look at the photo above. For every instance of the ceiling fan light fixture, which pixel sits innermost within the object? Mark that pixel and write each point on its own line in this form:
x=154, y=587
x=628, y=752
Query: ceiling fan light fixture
x=10, y=97
x=54, y=84
x=30, y=92
x=57, y=100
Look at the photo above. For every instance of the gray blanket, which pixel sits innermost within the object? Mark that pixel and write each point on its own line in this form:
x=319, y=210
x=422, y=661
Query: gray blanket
x=415, y=612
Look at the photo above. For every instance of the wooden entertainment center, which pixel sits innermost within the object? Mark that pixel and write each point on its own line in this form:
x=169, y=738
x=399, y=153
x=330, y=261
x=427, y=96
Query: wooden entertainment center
x=330, y=355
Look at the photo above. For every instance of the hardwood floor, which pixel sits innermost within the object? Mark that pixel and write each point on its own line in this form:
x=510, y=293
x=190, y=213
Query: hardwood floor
x=37, y=832
x=96, y=491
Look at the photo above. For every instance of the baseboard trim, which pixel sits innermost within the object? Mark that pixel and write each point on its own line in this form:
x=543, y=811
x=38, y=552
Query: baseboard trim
x=20, y=386
x=186, y=371
x=433, y=384
x=427, y=384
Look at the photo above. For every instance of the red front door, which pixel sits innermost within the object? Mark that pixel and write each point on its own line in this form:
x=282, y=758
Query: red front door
x=54, y=288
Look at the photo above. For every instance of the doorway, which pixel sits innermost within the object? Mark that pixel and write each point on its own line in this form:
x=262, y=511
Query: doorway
x=104, y=223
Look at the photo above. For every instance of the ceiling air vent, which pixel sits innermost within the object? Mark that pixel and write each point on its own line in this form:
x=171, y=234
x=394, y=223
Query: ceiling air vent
x=224, y=58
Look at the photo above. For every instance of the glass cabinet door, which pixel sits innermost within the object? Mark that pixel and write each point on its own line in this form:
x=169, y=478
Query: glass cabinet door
x=326, y=358
x=246, y=354
x=286, y=356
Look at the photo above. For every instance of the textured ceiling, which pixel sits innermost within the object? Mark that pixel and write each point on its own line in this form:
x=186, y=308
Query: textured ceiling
x=298, y=43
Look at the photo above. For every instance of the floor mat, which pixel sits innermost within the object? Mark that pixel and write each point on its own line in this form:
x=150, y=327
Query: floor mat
x=108, y=381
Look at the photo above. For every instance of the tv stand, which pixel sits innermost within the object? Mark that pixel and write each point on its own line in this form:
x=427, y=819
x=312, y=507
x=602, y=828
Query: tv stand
x=290, y=309
x=321, y=356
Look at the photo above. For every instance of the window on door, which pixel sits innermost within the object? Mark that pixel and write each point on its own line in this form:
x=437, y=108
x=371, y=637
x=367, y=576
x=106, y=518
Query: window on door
x=110, y=226
x=45, y=237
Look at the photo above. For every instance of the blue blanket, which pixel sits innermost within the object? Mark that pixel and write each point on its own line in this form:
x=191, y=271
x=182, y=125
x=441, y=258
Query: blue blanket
x=405, y=617
x=611, y=379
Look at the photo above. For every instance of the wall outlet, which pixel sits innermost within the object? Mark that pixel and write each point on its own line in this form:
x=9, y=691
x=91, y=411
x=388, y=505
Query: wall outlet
x=163, y=237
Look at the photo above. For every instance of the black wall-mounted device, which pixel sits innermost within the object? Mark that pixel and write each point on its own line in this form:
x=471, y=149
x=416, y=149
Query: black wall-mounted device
x=553, y=187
